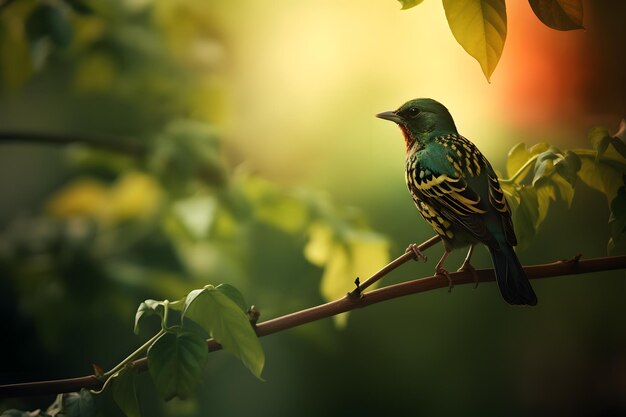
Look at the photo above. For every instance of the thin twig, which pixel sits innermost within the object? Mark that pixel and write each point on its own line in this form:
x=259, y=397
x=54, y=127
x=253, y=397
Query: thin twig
x=407, y=256
x=133, y=355
x=100, y=141
x=565, y=267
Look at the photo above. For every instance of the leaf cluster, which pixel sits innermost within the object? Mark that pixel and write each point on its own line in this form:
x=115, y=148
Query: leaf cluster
x=480, y=26
x=176, y=354
x=73, y=404
x=541, y=175
x=177, y=357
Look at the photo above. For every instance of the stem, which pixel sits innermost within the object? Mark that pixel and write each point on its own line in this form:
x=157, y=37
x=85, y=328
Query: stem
x=566, y=267
x=521, y=170
x=166, y=310
x=133, y=355
x=102, y=142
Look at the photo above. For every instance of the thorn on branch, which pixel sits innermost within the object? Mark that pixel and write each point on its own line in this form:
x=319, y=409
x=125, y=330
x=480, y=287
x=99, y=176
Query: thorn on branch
x=576, y=258
x=573, y=261
x=356, y=293
x=98, y=371
x=253, y=314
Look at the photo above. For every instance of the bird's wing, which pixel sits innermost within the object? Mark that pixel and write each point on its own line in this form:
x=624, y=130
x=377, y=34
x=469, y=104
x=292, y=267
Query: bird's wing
x=498, y=201
x=451, y=196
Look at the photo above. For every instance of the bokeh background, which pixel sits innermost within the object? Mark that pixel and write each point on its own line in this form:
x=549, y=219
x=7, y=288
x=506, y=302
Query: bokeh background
x=258, y=122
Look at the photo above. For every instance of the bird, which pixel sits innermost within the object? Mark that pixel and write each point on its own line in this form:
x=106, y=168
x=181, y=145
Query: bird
x=457, y=192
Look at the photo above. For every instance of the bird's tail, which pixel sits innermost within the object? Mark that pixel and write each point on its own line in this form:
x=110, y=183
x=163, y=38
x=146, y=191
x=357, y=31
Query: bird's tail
x=512, y=281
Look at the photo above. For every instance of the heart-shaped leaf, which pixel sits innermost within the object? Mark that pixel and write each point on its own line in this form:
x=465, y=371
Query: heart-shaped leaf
x=214, y=310
x=176, y=362
x=559, y=14
x=479, y=26
x=124, y=394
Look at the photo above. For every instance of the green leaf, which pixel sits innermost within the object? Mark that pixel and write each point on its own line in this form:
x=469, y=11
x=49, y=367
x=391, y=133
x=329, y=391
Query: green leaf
x=539, y=148
x=545, y=162
x=479, y=26
x=518, y=156
x=546, y=194
x=568, y=167
x=154, y=308
x=525, y=217
x=573, y=161
x=125, y=395
x=407, y=4
x=597, y=135
x=565, y=189
x=214, y=310
x=234, y=294
x=176, y=362
x=73, y=404
x=607, y=145
x=543, y=169
x=79, y=404
x=604, y=176
x=600, y=139
x=559, y=14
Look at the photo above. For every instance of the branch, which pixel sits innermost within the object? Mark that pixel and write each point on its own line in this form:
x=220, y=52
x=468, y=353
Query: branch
x=107, y=143
x=565, y=267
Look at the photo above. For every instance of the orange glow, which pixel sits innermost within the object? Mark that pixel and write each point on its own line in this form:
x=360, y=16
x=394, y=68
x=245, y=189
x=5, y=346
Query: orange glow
x=542, y=71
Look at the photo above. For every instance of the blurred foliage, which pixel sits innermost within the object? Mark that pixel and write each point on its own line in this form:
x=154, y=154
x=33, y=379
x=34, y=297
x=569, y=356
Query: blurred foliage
x=542, y=174
x=73, y=404
x=159, y=222
x=480, y=26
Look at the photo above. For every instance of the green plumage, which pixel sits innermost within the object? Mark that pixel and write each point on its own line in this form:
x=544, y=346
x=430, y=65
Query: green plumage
x=457, y=192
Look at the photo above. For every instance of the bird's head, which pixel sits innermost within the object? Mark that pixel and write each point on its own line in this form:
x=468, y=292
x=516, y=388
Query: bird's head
x=421, y=120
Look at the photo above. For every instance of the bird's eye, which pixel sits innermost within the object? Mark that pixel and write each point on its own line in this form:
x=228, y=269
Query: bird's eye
x=414, y=111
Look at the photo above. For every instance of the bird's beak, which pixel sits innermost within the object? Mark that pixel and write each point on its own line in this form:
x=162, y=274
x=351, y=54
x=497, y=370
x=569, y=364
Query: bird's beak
x=389, y=115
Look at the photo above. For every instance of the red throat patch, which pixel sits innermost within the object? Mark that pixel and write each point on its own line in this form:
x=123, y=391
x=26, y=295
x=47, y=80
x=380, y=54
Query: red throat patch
x=408, y=139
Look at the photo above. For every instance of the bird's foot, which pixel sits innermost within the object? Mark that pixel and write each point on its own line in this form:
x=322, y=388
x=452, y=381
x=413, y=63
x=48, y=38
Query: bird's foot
x=418, y=255
x=467, y=267
x=442, y=272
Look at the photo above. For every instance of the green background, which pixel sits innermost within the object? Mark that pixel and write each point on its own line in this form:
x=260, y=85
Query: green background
x=289, y=89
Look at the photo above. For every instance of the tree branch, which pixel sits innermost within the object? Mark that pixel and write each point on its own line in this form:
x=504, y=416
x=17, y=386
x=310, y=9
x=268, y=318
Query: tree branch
x=100, y=141
x=565, y=267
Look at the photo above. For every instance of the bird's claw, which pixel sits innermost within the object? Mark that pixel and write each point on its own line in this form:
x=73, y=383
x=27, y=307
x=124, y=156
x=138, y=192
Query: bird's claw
x=445, y=274
x=418, y=255
x=467, y=267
